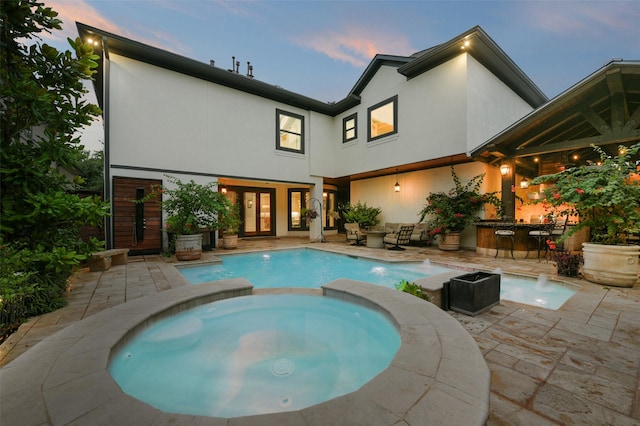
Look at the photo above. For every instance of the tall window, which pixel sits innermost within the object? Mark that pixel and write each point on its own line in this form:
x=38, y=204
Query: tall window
x=383, y=119
x=349, y=128
x=290, y=131
x=298, y=200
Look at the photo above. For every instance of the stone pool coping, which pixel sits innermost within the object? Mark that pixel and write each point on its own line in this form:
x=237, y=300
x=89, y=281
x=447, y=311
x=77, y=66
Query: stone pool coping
x=438, y=376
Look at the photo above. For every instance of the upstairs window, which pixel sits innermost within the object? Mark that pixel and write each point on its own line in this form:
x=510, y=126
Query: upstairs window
x=383, y=119
x=290, y=133
x=349, y=128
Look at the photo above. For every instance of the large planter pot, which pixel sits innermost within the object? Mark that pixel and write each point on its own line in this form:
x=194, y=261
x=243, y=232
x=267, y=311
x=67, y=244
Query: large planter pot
x=471, y=294
x=230, y=242
x=449, y=241
x=610, y=265
x=189, y=247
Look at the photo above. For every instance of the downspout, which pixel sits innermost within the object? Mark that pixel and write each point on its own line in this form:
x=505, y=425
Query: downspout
x=107, y=163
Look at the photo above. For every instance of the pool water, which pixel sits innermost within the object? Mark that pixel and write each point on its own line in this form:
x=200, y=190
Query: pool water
x=255, y=355
x=537, y=292
x=309, y=268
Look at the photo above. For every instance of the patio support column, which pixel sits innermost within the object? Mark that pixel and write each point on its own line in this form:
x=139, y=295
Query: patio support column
x=508, y=187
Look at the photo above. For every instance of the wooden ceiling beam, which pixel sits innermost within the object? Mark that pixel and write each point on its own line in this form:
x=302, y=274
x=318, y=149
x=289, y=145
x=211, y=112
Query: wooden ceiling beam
x=607, y=139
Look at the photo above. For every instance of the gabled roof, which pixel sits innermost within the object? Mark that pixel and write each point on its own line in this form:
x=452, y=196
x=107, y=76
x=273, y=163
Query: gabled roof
x=480, y=46
x=602, y=109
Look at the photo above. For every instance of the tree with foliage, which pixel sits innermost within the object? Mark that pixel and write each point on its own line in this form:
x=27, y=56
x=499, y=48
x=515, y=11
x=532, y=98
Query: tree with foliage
x=453, y=211
x=91, y=168
x=41, y=110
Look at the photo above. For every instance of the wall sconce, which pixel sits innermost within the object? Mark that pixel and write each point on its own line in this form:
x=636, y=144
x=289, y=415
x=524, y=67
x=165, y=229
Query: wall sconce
x=504, y=169
x=524, y=183
x=223, y=190
x=396, y=187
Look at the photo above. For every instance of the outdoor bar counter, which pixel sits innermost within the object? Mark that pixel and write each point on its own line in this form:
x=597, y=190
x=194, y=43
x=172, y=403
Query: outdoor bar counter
x=486, y=239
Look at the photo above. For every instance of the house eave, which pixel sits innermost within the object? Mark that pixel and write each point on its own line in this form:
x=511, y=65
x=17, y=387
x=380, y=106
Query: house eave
x=488, y=53
x=191, y=67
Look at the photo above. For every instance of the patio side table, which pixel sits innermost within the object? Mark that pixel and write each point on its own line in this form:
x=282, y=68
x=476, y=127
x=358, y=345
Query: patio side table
x=375, y=239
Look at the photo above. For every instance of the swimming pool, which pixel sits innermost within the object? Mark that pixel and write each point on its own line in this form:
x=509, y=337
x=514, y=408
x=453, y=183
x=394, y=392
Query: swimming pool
x=311, y=268
x=307, y=268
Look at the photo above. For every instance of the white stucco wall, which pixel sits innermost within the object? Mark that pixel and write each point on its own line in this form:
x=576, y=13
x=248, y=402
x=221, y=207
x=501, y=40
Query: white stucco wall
x=192, y=125
x=492, y=105
x=431, y=119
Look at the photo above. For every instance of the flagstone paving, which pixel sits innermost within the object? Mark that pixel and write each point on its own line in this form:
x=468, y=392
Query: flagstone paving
x=579, y=365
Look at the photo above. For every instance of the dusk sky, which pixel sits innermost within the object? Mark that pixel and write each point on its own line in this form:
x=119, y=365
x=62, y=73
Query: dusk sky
x=321, y=48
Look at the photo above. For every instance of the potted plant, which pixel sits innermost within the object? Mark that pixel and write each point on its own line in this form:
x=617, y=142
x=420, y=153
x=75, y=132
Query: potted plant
x=191, y=208
x=309, y=214
x=453, y=211
x=606, y=198
x=366, y=217
x=229, y=223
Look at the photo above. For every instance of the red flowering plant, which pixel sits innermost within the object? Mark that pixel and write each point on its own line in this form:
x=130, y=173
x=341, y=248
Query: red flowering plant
x=605, y=195
x=453, y=211
x=567, y=263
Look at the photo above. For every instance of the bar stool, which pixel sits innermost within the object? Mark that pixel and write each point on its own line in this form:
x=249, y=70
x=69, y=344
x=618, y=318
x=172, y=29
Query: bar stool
x=505, y=230
x=541, y=234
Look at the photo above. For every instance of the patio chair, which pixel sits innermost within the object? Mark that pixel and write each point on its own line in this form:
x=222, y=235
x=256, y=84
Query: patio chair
x=354, y=233
x=402, y=237
x=540, y=234
x=558, y=230
x=505, y=230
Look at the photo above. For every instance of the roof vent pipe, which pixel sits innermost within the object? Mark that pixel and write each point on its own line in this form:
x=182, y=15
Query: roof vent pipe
x=249, y=70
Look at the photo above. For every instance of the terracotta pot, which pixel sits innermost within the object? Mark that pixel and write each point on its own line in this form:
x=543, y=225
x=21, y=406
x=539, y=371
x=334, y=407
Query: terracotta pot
x=189, y=247
x=610, y=264
x=449, y=241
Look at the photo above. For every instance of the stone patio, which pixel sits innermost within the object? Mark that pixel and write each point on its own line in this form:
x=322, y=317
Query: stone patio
x=577, y=365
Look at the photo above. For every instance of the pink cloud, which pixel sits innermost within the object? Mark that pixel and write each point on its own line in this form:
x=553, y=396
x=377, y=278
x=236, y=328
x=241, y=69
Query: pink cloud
x=357, y=46
x=72, y=11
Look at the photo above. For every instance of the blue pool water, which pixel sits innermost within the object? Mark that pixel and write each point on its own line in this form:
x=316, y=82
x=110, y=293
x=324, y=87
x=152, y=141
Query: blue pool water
x=309, y=268
x=255, y=355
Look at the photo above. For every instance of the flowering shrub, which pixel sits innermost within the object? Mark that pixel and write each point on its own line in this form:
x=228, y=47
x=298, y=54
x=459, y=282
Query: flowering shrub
x=455, y=210
x=605, y=196
x=566, y=263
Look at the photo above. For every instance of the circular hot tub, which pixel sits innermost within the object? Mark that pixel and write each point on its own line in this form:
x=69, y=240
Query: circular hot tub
x=255, y=355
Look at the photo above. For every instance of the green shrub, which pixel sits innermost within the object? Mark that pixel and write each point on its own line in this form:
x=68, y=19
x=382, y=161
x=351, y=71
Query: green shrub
x=413, y=289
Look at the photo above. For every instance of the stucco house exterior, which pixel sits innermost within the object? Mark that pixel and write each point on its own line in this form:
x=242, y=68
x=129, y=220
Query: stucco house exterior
x=406, y=120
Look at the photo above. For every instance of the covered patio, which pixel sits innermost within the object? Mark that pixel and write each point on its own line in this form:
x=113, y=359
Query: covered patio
x=603, y=109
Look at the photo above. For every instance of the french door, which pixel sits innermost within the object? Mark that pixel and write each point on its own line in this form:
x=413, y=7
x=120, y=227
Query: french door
x=257, y=210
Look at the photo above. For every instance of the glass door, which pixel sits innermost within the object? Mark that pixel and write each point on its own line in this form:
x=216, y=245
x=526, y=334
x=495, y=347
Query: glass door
x=256, y=212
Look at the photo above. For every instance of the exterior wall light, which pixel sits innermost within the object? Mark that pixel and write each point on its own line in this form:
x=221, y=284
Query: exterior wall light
x=504, y=169
x=524, y=183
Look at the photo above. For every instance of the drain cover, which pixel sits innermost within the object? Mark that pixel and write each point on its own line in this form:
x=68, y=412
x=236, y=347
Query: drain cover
x=283, y=367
